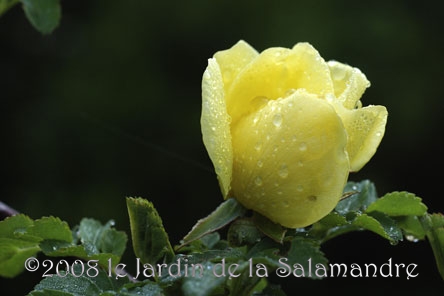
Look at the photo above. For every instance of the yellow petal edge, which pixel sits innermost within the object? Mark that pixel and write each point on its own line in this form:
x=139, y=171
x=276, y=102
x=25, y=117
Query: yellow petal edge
x=215, y=125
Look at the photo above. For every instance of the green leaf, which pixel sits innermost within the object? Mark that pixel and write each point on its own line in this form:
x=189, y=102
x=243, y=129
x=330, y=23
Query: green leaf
x=20, y=238
x=330, y=226
x=307, y=256
x=98, y=242
x=51, y=228
x=246, y=280
x=57, y=249
x=381, y=224
x=273, y=230
x=150, y=241
x=399, y=204
x=44, y=15
x=202, y=286
x=79, y=282
x=221, y=216
x=98, y=238
x=366, y=194
x=147, y=288
x=6, y=4
x=16, y=227
x=411, y=227
x=13, y=254
x=434, y=227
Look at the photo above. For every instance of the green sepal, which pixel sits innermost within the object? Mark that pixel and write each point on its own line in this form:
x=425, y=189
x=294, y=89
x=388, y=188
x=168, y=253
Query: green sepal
x=243, y=231
x=273, y=230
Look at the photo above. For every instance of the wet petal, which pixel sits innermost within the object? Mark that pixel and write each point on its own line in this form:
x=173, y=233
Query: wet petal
x=349, y=83
x=365, y=128
x=274, y=74
x=215, y=124
x=290, y=162
x=233, y=60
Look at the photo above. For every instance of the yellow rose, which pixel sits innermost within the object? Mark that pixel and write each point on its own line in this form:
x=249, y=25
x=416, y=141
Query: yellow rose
x=284, y=128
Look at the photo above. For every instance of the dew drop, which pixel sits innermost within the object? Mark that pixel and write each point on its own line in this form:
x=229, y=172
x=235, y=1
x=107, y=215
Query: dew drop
x=294, y=138
x=300, y=163
x=260, y=163
x=411, y=238
x=277, y=120
x=312, y=198
x=283, y=171
x=285, y=204
x=338, y=73
x=279, y=192
x=303, y=146
x=258, y=181
x=258, y=146
x=378, y=134
x=300, y=188
x=330, y=97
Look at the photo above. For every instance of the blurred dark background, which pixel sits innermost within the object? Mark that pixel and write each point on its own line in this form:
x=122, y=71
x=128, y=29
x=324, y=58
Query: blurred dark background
x=108, y=106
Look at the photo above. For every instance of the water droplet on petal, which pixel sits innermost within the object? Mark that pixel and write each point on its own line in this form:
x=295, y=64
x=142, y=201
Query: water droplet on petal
x=258, y=146
x=260, y=163
x=312, y=198
x=300, y=188
x=330, y=97
x=258, y=181
x=300, y=163
x=277, y=120
x=303, y=146
x=285, y=204
x=283, y=171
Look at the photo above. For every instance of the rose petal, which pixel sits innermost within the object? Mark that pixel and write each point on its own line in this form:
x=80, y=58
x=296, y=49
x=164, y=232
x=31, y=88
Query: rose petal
x=349, y=83
x=275, y=73
x=233, y=60
x=290, y=162
x=365, y=129
x=215, y=124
